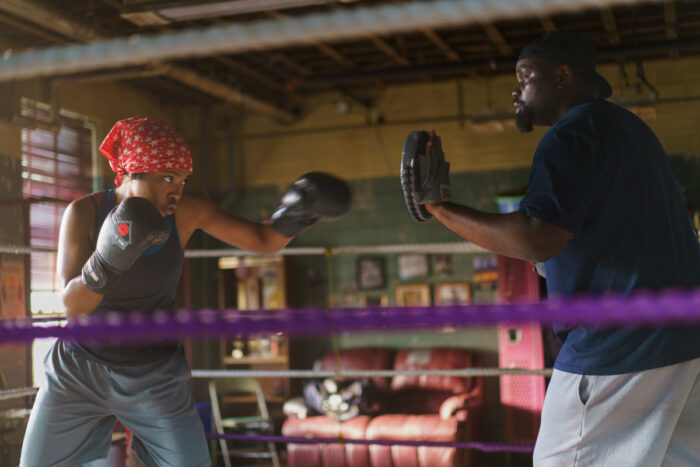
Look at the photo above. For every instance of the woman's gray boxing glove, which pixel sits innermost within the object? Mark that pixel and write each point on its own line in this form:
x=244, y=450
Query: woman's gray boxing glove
x=128, y=230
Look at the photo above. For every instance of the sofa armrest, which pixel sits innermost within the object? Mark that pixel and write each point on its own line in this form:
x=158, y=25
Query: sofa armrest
x=460, y=405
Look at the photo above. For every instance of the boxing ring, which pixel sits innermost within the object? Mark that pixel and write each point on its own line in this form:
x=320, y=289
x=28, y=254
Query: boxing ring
x=643, y=308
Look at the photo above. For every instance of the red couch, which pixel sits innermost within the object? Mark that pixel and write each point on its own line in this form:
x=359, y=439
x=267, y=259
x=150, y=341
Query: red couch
x=417, y=408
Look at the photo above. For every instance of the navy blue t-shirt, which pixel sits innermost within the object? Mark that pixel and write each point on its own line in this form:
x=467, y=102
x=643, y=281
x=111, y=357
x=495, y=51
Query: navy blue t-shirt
x=601, y=173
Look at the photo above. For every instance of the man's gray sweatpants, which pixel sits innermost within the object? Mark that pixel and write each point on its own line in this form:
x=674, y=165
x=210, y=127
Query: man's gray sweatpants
x=649, y=418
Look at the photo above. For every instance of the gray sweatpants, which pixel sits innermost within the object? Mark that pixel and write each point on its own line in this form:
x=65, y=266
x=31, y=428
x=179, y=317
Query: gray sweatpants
x=649, y=418
x=77, y=405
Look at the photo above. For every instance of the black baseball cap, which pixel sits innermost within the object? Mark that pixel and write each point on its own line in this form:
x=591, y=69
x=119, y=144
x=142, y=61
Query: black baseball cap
x=571, y=48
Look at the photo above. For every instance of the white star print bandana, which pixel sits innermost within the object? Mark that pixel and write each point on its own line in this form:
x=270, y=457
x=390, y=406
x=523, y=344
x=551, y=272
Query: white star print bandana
x=141, y=144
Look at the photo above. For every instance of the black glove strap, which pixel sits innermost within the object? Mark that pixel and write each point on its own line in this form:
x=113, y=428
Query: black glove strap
x=97, y=277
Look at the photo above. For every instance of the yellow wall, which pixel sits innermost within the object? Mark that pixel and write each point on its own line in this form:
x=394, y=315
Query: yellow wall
x=274, y=153
x=266, y=152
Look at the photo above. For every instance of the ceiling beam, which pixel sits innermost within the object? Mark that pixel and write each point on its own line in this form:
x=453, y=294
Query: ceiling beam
x=300, y=69
x=610, y=26
x=381, y=44
x=332, y=53
x=384, y=46
x=56, y=21
x=252, y=73
x=325, y=49
x=215, y=88
x=497, y=39
x=259, y=77
x=271, y=34
x=498, y=65
x=440, y=44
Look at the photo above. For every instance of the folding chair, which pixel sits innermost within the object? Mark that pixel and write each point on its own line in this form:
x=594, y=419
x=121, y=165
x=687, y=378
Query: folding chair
x=218, y=390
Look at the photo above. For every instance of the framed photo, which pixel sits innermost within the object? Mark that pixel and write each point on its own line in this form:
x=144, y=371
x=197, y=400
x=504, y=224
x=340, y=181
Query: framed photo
x=412, y=266
x=412, y=295
x=442, y=265
x=453, y=293
x=374, y=300
x=371, y=272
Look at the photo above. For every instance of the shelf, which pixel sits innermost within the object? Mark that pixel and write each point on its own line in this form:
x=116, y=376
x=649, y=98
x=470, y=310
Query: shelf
x=245, y=399
x=276, y=360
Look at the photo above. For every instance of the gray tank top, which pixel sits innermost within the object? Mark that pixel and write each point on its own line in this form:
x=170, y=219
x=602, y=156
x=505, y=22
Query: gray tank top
x=150, y=284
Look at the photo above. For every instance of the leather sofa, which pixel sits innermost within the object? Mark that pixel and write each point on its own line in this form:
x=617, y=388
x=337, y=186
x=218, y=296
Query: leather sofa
x=415, y=408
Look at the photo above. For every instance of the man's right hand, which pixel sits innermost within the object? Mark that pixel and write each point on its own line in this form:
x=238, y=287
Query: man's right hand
x=128, y=230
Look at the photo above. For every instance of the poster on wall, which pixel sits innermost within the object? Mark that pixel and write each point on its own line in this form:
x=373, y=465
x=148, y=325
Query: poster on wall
x=12, y=292
x=13, y=356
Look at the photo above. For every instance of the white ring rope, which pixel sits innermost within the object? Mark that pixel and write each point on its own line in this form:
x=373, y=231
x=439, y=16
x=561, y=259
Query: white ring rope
x=24, y=250
x=434, y=248
x=215, y=374
x=17, y=393
x=460, y=373
x=279, y=32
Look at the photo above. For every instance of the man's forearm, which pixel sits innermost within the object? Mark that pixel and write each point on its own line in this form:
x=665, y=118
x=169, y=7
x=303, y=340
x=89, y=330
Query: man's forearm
x=514, y=234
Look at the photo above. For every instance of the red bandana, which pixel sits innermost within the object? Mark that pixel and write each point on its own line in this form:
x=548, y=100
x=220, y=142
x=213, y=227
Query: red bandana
x=141, y=144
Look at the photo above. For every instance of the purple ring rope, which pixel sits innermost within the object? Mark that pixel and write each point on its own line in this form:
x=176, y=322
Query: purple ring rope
x=476, y=445
x=641, y=308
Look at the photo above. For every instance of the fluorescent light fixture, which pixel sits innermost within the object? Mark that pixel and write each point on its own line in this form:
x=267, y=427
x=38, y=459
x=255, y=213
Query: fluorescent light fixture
x=158, y=14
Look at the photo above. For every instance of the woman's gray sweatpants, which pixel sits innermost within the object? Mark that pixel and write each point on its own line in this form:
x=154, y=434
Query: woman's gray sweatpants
x=78, y=403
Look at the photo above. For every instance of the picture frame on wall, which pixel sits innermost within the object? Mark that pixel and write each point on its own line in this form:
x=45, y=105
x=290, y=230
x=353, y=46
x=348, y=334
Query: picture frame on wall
x=374, y=300
x=453, y=293
x=412, y=266
x=442, y=265
x=412, y=295
x=371, y=272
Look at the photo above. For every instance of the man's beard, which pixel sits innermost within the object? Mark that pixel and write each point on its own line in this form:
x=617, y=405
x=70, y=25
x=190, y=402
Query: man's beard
x=524, y=120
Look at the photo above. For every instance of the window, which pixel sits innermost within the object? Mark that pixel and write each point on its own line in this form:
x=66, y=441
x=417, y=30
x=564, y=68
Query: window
x=56, y=169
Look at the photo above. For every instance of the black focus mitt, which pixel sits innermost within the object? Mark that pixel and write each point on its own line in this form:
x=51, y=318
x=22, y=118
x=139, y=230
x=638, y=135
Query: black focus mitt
x=424, y=178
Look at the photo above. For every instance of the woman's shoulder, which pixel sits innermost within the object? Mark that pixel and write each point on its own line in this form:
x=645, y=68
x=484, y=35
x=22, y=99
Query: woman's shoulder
x=87, y=203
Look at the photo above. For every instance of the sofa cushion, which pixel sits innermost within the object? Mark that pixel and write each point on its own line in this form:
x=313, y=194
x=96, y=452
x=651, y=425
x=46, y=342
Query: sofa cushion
x=412, y=428
x=326, y=455
x=432, y=359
